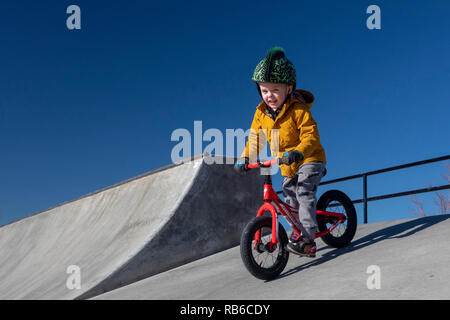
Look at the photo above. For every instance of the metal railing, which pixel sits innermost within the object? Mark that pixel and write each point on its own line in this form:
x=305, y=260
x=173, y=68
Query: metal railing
x=364, y=176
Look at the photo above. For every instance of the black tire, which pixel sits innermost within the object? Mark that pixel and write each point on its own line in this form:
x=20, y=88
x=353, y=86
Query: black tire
x=252, y=257
x=343, y=234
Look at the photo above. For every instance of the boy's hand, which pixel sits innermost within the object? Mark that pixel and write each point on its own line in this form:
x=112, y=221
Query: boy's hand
x=289, y=157
x=241, y=165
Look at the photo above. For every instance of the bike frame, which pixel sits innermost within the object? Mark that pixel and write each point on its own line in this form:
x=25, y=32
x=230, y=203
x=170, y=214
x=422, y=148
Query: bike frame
x=276, y=206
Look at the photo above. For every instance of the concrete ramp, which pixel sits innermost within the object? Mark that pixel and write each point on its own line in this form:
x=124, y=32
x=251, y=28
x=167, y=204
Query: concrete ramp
x=127, y=232
x=410, y=259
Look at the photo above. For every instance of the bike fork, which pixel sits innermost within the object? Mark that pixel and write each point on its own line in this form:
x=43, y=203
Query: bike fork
x=267, y=206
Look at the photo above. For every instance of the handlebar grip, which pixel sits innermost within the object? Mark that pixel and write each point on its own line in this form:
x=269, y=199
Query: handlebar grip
x=264, y=164
x=253, y=165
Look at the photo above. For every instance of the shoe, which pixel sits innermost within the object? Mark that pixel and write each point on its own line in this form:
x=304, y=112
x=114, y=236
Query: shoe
x=303, y=247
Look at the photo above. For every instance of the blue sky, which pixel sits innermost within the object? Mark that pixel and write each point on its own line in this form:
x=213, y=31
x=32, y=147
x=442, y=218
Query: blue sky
x=83, y=109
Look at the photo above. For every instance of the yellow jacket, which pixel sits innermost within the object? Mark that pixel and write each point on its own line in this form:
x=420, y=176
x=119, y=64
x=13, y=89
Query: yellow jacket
x=297, y=130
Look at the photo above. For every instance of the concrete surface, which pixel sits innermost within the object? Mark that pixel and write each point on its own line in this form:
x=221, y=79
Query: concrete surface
x=413, y=257
x=127, y=232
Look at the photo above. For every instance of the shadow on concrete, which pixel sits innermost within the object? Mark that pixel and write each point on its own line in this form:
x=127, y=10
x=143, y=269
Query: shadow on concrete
x=398, y=231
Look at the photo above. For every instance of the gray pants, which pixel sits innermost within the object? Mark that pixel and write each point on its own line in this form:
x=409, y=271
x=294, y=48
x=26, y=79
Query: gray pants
x=300, y=192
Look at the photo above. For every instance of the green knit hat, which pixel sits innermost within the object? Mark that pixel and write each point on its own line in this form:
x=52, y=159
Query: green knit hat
x=275, y=68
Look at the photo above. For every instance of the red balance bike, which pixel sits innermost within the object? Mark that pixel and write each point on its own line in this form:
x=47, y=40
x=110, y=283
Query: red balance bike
x=264, y=239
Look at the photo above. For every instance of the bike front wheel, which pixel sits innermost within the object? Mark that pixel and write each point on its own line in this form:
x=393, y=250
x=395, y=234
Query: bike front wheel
x=259, y=258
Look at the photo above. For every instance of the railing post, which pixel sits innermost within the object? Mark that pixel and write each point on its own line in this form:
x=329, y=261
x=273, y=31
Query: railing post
x=365, y=197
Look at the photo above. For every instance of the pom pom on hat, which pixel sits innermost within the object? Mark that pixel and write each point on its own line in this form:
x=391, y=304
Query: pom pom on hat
x=275, y=53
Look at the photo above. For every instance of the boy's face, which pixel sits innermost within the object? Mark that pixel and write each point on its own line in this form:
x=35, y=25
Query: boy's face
x=274, y=94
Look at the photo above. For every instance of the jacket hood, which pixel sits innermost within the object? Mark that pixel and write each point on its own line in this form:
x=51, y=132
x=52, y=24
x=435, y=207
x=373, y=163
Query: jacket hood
x=304, y=96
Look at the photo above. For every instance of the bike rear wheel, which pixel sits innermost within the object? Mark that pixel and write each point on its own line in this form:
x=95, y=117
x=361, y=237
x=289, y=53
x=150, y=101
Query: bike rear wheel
x=260, y=260
x=337, y=201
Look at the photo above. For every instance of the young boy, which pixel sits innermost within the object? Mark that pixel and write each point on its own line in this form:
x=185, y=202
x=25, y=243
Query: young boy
x=287, y=110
